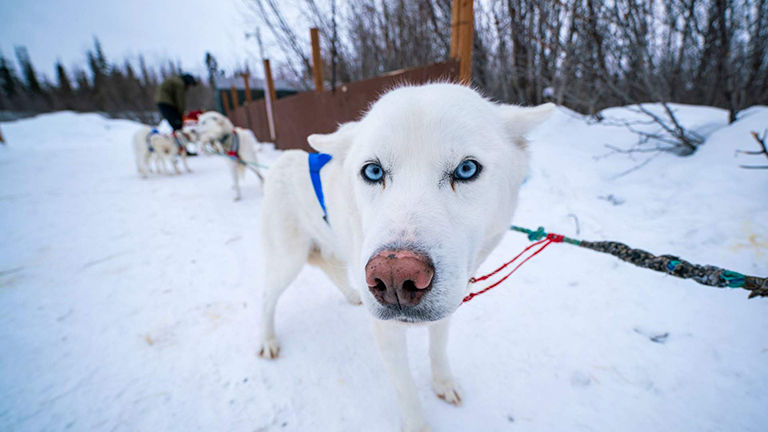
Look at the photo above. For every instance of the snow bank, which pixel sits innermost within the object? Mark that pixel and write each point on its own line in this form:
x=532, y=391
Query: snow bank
x=132, y=305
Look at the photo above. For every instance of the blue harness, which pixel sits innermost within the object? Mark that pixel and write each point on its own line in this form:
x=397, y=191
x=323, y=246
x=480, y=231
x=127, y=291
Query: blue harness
x=316, y=163
x=154, y=131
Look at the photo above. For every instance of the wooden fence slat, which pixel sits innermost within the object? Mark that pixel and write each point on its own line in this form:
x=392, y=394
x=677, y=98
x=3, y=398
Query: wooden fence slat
x=455, y=17
x=466, y=39
x=270, y=97
x=225, y=103
x=317, y=60
x=235, y=101
x=246, y=81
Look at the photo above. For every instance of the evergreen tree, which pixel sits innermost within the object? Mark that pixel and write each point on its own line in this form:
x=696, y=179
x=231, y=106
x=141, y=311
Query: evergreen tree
x=62, y=91
x=97, y=62
x=148, y=78
x=9, y=81
x=83, y=100
x=62, y=79
x=28, y=71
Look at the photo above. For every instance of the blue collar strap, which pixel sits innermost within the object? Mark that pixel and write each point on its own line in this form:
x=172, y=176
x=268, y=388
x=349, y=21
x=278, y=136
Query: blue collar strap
x=316, y=162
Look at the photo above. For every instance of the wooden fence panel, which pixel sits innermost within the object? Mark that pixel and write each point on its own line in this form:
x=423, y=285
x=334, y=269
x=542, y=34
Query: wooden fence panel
x=257, y=115
x=238, y=117
x=300, y=115
x=253, y=116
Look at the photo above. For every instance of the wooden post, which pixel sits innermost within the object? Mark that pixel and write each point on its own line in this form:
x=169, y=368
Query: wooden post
x=317, y=61
x=466, y=39
x=455, y=8
x=269, y=99
x=248, y=99
x=225, y=102
x=246, y=77
x=235, y=101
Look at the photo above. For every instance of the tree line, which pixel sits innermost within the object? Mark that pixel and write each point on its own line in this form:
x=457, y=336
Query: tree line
x=583, y=54
x=120, y=89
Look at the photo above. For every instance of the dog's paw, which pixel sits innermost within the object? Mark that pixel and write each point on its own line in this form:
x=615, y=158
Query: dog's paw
x=270, y=349
x=447, y=391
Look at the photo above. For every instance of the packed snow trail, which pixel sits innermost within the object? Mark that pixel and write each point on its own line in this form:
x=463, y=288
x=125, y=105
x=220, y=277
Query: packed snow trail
x=132, y=305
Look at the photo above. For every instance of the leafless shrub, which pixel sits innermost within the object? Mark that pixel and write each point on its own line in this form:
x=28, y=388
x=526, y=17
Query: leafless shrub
x=763, y=150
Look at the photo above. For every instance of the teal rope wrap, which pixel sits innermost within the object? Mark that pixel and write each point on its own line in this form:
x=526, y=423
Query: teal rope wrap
x=540, y=233
x=671, y=265
x=734, y=279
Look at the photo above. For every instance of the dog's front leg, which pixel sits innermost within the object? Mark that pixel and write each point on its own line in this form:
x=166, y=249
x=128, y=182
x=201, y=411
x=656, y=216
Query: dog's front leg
x=442, y=378
x=390, y=337
x=175, y=164
x=235, y=179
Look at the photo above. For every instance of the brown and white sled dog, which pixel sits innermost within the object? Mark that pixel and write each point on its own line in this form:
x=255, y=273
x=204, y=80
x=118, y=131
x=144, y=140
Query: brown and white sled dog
x=150, y=147
x=418, y=192
x=215, y=129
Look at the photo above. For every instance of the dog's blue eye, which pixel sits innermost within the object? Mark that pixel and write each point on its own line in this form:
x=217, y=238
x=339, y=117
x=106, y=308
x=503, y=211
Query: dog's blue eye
x=372, y=172
x=467, y=170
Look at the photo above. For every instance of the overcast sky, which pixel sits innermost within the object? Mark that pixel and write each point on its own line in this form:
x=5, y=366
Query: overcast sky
x=159, y=29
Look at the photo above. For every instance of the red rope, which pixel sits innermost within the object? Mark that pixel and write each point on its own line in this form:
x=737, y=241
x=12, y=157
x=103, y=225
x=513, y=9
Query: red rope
x=551, y=238
x=481, y=278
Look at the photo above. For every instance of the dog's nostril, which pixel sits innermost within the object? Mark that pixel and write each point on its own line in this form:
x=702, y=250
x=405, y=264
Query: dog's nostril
x=379, y=285
x=409, y=285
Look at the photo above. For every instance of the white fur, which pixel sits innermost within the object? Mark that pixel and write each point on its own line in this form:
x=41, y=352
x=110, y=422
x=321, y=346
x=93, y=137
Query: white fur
x=419, y=135
x=212, y=127
x=165, y=151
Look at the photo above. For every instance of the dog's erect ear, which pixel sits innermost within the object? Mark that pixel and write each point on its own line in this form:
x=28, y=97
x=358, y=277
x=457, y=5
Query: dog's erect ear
x=521, y=120
x=336, y=143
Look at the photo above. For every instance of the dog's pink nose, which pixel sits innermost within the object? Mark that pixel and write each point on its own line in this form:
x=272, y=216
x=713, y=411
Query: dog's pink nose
x=399, y=277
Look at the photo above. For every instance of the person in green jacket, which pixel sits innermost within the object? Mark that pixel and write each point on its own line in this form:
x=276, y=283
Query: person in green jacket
x=171, y=98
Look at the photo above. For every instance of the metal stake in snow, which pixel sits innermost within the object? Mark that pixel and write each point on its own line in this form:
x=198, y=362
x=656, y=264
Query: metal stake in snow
x=669, y=264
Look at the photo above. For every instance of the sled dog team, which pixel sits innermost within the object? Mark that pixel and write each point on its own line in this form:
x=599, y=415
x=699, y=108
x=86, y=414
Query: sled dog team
x=213, y=132
x=406, y=204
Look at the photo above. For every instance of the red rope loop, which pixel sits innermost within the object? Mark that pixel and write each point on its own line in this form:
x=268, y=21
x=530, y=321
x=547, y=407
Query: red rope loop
x=551, y=238
x=482, y=278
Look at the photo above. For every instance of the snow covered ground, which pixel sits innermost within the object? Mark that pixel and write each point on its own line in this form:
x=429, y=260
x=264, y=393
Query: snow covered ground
x=132, y=305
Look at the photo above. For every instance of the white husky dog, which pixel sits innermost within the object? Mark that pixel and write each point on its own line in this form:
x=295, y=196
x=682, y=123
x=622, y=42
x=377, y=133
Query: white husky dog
x=149, y=147
x=239, y=144
x=418, y=192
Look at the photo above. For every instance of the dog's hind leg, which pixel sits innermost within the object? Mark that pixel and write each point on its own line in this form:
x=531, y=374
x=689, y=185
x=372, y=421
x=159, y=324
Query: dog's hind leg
x=283, y=261
x=442, y=378
x=337, y=273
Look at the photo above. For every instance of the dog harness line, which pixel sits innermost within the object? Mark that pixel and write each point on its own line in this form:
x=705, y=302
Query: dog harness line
x=316, y=162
